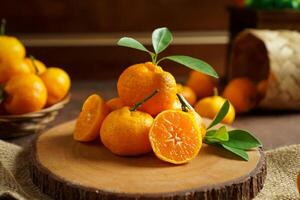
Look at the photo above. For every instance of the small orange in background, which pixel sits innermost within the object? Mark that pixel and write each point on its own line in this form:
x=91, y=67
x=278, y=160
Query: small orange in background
x=24, y=94
x=242, y=93
x=139, y=80
x=12, y=67
x=125, y=131
x=210, y=106
x=175, y=136
x=187, y=93
x=202, y=84
x=88, y=124
x=115, y=103
x=10, y=46
x=57, y=82
x=36, y=66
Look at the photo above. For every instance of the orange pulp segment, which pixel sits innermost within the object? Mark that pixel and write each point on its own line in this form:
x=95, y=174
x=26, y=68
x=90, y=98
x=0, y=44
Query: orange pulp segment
x=94, y=110
x=175, y=137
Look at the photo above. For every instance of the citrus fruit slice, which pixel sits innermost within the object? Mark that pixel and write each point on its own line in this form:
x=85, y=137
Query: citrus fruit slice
x=94, y=110
x=175, y=137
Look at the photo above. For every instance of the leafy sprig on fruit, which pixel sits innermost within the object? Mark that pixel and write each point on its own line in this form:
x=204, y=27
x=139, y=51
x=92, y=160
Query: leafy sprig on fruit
x=236, y=141
x=161, y=39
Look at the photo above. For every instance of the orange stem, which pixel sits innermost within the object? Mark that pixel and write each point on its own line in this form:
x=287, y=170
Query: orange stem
x=138, y=104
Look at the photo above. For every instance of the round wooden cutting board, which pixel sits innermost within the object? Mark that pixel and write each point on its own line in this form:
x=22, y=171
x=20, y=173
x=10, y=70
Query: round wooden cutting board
x=67, y=169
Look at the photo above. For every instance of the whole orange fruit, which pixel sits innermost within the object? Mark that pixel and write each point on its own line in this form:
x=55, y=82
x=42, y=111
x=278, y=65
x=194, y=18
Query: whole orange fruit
x=115, y=103
x=24, y=94
x=11, y=47
x=57, y=82
x=210, y=106
x=12, y=67
x=36, y=66
x=175, y=136
x=187, y=93
x=89, y=121
x=242, y=93
x=125, y=132
x=139, y=80
x=202, y=84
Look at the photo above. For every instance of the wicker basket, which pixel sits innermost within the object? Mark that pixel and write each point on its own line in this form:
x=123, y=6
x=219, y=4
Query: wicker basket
x=273, y=56
x=19, y=125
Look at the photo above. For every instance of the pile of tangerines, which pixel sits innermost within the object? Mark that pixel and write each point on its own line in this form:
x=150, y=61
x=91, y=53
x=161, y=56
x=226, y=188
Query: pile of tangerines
x=26, y=84
x=154, y=113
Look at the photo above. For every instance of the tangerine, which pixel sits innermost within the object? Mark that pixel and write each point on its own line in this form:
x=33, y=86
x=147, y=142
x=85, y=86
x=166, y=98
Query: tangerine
x=115, y=103
x=187, y=93
x=138, y=80
x=57, y=82
x=88, y=124
x=242, y=93
x=202, y=84
x=24, y=93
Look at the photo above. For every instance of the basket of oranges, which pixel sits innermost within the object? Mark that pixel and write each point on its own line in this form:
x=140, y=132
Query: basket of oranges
x=30, y=93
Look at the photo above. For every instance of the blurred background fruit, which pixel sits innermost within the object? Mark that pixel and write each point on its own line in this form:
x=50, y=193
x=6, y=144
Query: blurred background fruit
x=210, y=106
x=187, y=93
x=10, y=67
x=35, y=65
x=57, y=82
x=24, y=94
x=115, y=103
x=241, y=92
x=202, y=84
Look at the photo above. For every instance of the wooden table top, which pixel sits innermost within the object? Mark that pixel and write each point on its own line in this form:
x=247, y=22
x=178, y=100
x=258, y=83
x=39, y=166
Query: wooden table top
x=274, y=129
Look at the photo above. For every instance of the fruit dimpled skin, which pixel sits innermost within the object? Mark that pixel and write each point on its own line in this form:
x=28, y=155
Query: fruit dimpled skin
x=125, y=132
x=139, y=80
x=57, y=82
x=24, y=94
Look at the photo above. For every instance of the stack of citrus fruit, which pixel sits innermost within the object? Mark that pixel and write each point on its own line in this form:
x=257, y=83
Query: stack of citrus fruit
x=147, y=114
x=152, y=112
x=26, y=84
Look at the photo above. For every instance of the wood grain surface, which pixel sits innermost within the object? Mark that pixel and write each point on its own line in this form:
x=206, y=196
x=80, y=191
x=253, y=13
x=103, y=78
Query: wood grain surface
x=66, y=169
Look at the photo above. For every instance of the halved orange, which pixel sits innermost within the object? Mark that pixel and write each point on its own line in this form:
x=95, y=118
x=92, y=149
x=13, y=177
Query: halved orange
x=175, y=136
x=88, y=124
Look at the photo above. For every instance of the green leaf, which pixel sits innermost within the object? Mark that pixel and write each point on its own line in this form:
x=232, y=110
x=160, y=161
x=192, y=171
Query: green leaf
x=132, y=43
x=219, y=135
x=239, y=152
x=194, y=63
x=221, y=114
x=210, y=133
x=242, y=140
x=161, y=38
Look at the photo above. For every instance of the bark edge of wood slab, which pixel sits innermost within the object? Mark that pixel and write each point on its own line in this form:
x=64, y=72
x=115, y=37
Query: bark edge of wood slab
x=59, y=187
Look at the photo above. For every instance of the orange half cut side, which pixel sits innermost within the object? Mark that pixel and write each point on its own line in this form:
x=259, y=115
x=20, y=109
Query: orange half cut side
x=175, y=137
x=88, y=124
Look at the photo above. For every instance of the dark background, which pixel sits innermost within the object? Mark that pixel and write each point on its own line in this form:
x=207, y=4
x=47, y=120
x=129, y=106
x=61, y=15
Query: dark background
x=81, y=36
